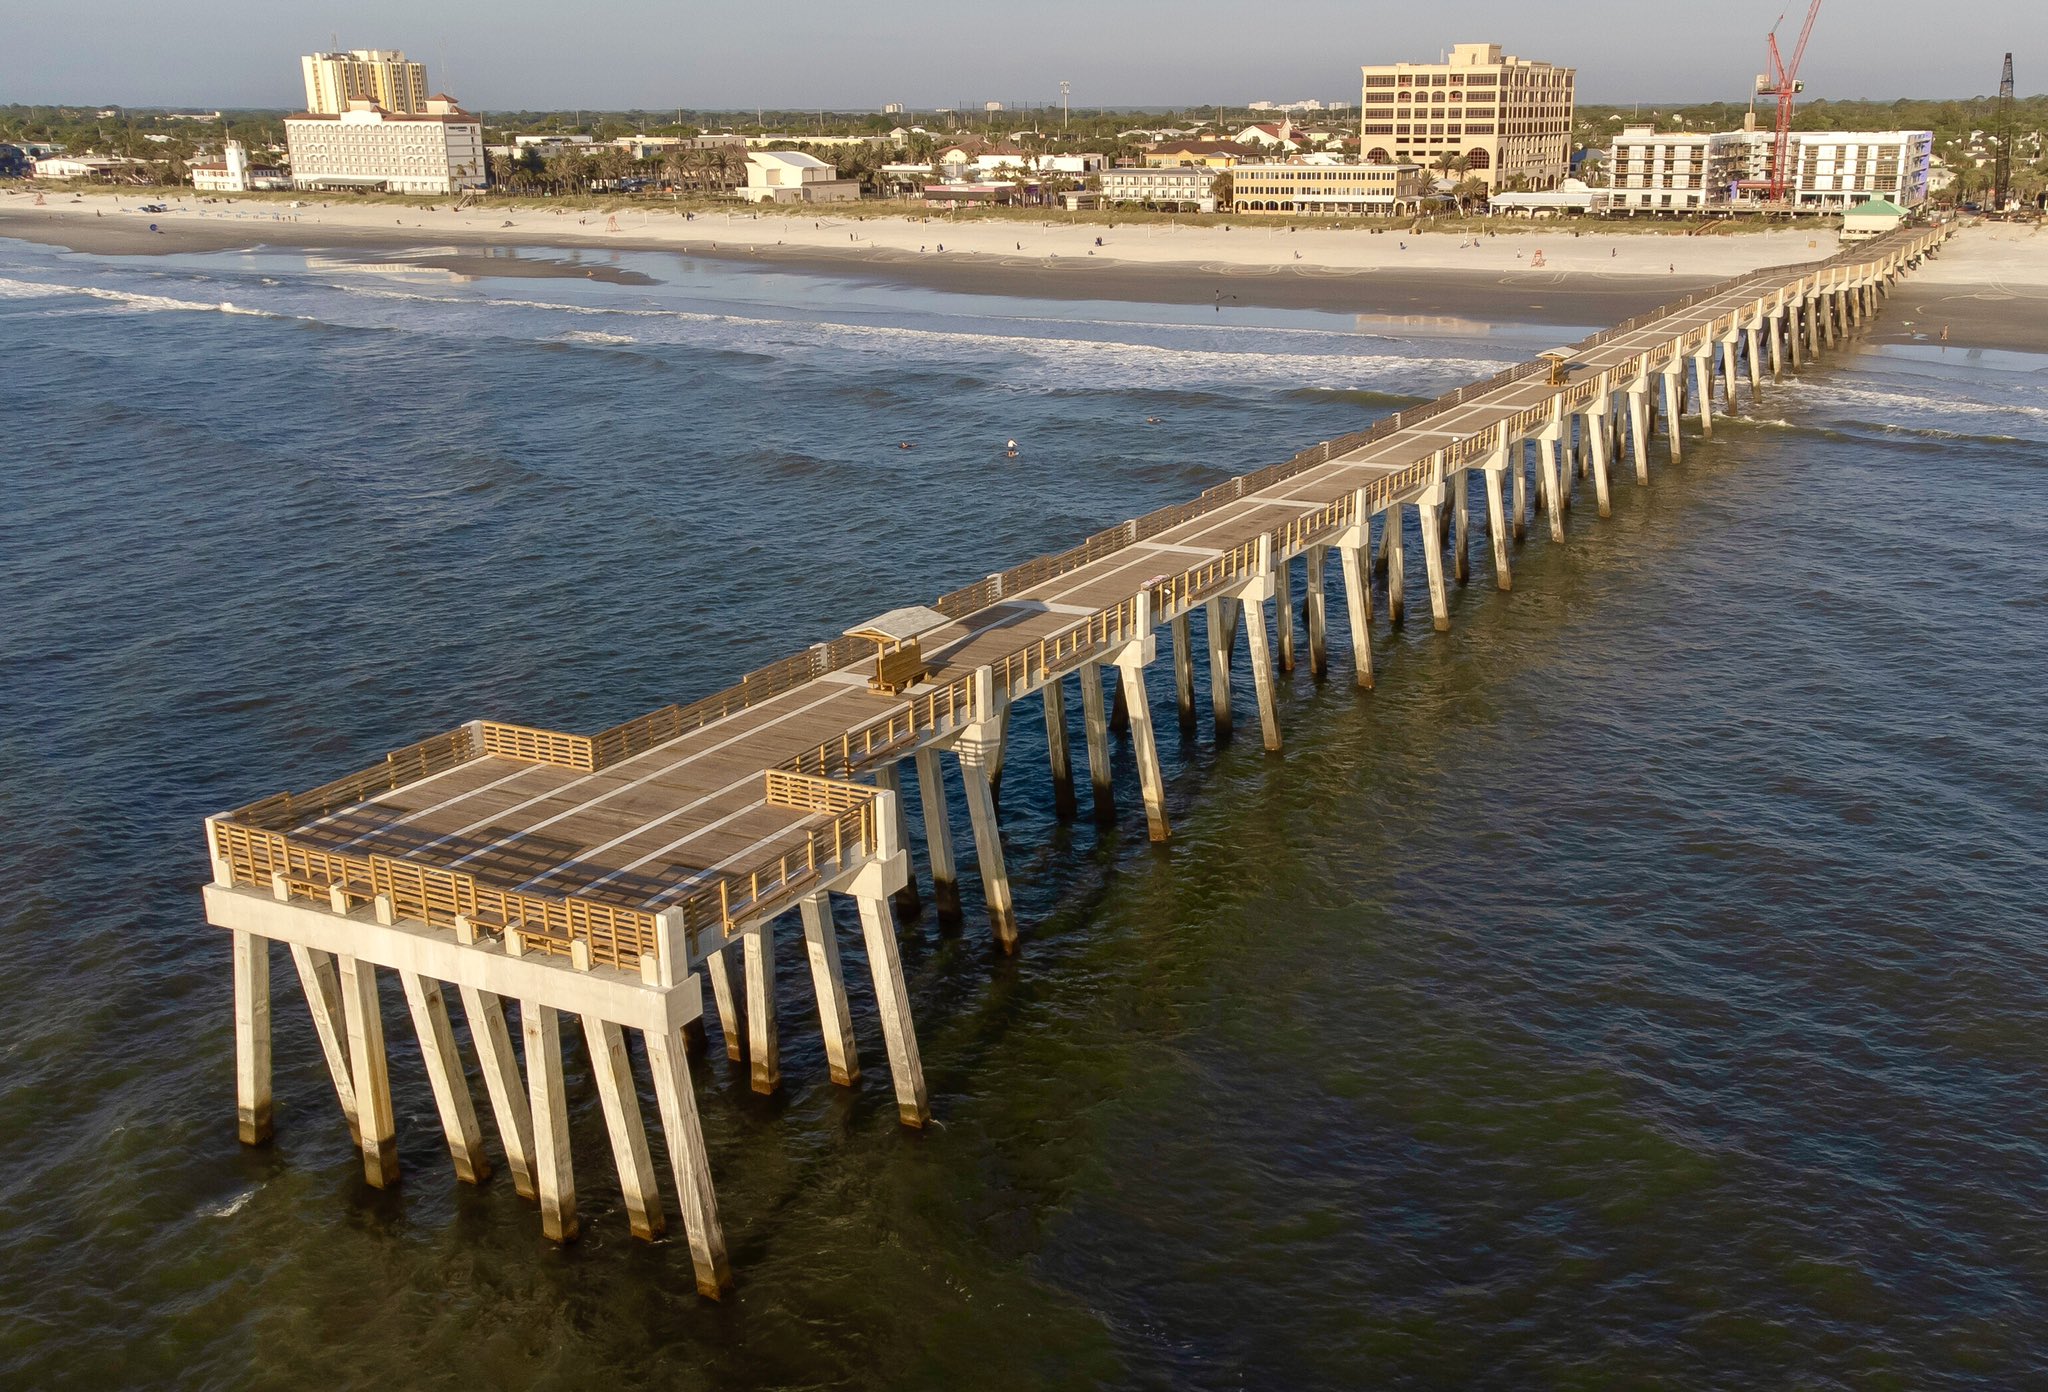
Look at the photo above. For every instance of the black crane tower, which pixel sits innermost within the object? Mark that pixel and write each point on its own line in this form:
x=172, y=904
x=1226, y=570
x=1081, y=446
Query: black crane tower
x=2001, y=169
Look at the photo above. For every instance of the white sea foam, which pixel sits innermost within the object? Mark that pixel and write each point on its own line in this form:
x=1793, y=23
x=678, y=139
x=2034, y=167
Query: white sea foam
x=234, y=1205
x=1187, y=356
x=126, y=299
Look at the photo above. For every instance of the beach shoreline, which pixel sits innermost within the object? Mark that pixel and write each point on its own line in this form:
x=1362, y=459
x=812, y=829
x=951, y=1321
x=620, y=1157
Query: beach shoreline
x=1989, y=289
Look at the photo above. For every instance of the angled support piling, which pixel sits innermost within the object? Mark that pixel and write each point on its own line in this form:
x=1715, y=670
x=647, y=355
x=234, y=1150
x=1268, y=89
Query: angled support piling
x=450, y=1084
x=835, y=1020
x=620, y=1098
x=492, y=1035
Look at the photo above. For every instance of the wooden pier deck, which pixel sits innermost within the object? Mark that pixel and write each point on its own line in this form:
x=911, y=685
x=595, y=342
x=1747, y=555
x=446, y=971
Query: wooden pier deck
x=628, y=860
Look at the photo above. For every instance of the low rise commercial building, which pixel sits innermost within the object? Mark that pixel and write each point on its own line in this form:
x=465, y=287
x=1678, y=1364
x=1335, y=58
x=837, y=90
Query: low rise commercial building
x=1212, y=154
x=1343, y=190
x=437, y=151
x=104, y=167
x=791, y=176
x=233, y=173
x=1189, y=189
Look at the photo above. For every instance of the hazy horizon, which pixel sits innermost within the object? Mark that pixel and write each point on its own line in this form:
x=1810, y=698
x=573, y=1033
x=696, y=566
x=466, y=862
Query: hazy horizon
x=518, y=55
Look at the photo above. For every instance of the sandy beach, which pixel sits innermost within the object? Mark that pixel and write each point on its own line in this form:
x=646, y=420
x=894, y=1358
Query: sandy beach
x=1989, y=288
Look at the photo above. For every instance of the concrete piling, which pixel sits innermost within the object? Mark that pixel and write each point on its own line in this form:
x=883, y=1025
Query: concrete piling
x=619, y=1097
x=548, y=1096
x=450, y=1085
x=503, y=1084
x=1315, y=611
x=764, y=1046
x=252, y=1038
x=1096, y=720
x=938, y=836
x=835, y=1020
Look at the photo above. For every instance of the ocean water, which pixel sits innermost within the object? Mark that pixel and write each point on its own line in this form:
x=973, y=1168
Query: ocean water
x=1645, y=986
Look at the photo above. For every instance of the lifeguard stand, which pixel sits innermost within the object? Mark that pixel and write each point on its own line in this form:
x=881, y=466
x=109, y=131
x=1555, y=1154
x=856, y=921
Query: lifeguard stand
x=899, y=658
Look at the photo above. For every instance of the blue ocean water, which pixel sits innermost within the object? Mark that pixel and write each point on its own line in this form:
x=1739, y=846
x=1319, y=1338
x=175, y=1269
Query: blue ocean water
x=1641, y=987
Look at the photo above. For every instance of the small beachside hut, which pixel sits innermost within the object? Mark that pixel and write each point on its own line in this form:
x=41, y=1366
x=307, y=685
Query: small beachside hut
x=1870, y=219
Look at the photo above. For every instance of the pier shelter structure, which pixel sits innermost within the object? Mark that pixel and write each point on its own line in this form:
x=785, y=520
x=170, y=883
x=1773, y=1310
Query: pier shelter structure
x=607, y=877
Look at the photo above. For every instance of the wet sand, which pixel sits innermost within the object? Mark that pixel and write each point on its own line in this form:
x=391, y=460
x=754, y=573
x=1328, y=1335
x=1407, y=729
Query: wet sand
x=1989, y=289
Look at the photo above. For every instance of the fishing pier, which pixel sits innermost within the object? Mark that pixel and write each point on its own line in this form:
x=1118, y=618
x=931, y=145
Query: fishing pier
x=608, y=878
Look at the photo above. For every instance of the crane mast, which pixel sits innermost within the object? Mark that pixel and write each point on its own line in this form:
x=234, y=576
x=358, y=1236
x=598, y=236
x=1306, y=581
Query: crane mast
x=2001, y=168
x=1782, y=82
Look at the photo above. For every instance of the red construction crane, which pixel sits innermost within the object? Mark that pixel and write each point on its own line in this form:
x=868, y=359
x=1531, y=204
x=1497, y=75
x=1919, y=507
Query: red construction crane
x=1783, y=82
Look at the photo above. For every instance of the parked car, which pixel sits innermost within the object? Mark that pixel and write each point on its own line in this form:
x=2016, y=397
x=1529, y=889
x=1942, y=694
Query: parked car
x=154, y=208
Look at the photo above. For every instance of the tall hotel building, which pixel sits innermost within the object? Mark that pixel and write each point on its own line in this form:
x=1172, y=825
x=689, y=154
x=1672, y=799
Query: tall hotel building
x=383, y=76
x=369, y=125
x=1508, y=118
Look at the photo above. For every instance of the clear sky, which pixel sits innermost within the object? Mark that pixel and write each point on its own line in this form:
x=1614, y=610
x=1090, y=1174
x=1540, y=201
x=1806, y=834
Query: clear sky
x=621, y=54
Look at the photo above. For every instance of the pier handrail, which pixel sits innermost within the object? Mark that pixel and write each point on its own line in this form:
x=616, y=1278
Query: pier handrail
x=250, y=841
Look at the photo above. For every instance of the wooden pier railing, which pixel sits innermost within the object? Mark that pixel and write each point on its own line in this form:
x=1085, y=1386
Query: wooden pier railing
x=251, y=840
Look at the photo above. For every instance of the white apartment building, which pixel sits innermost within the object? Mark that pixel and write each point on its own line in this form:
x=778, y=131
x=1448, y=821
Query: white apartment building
x=436, y=151
x=1682, y=172
x=1675, y=171
x=1183, y=189
x=383, y=76
x=1839, y=169
x=791, y=176
x=1508, y=119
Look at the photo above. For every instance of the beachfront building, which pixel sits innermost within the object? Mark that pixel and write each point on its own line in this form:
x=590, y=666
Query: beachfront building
x=1678, y=172
x=104, y=167
x=1209, y=154
x=1839, y=169
x=383, y=76
x=1343, y=190
x=234, y=174
x=1182, y=190
x=1273, y=135
x=1871, y=219
x=1688, y=172
x=1508, y=119
x=438, y=150
x=791, y=176
x=1572, y=198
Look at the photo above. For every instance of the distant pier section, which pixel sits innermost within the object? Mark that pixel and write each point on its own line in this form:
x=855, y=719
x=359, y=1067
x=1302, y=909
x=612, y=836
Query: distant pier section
x=537, y=876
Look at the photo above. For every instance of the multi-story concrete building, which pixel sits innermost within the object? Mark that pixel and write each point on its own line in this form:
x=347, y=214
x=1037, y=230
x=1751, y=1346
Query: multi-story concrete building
x=383, y=76
x=1508, y=119
x=1838, y=169
x=1183, y=189
x=1344, y=190
x=435, y=151
x=1688, y=172
x=1675, y=171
